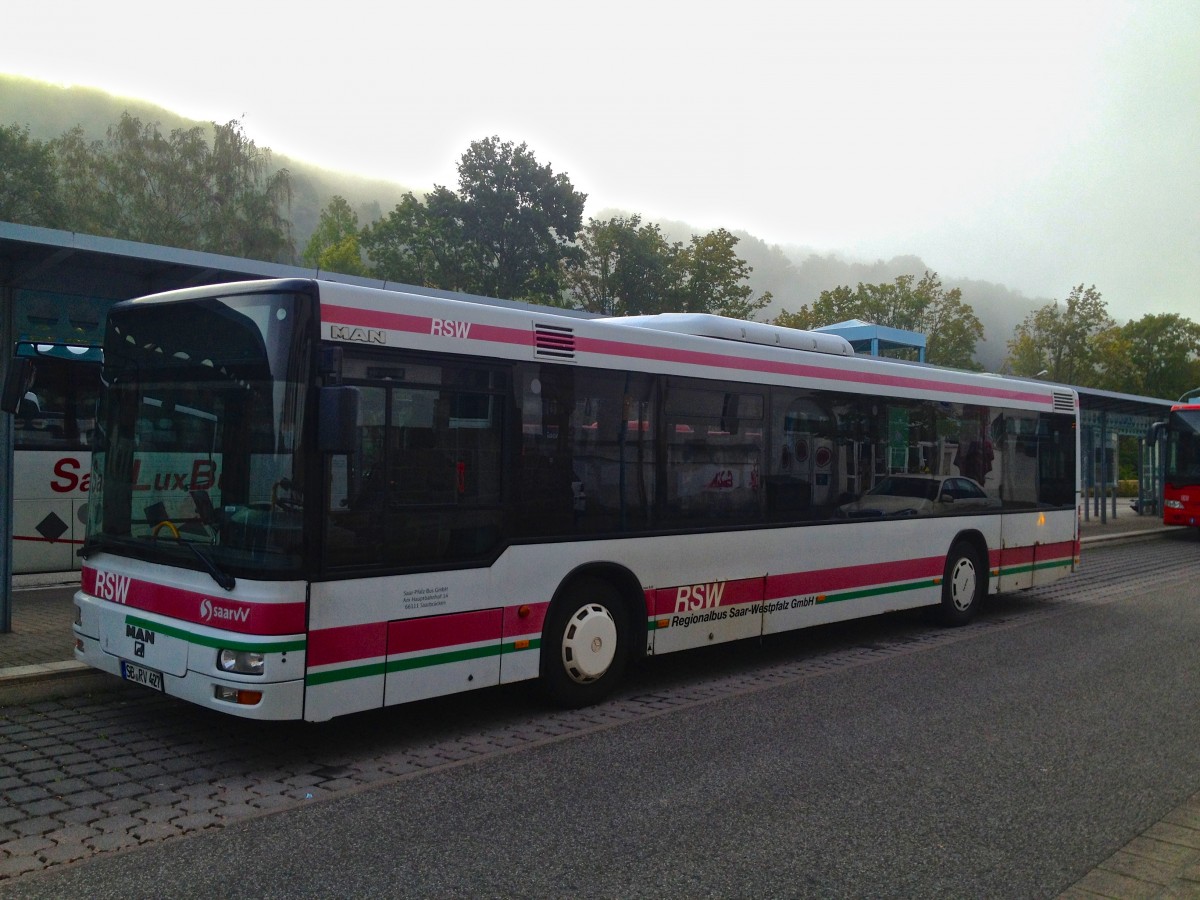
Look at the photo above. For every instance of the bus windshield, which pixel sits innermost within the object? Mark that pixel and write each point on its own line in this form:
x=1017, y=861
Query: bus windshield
x=197, y=458
x=1183, y=447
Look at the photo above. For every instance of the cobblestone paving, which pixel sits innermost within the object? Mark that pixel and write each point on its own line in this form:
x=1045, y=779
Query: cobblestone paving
x=41, y=627
x=91, y=775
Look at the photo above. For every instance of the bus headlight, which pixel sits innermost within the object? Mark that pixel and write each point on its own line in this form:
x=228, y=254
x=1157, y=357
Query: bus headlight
x=1172, y=504
x=242, y=662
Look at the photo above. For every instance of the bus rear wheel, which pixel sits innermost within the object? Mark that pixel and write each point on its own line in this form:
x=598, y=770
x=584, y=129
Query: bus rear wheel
x=962, y=584
x=585, y=644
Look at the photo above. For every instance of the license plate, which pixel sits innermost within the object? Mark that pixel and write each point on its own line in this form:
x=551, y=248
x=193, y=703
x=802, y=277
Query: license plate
x=141, y=675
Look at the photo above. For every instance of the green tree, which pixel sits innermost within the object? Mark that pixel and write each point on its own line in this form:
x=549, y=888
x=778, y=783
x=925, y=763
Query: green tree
x=334, y=246
x=714, y=276
x=1161, y=350
x=88, y=205
x=29, y=192
x=1112, y=355
x=950, y=325
x=421, y=243
x=176, y=189
x=1059, y=339
x=248, y=213
x=520, y=218
x=625, y=268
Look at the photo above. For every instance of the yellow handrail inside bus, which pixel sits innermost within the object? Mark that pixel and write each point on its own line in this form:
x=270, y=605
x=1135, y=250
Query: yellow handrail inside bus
x=165, y=524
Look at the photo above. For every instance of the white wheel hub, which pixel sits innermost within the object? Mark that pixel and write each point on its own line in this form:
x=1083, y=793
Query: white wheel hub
x=589, y=643
x=962, y=584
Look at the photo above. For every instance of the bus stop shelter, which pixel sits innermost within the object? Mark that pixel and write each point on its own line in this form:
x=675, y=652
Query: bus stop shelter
x=877, y=340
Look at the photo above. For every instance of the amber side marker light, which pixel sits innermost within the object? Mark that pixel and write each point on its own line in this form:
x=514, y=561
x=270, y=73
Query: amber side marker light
x=238, y=696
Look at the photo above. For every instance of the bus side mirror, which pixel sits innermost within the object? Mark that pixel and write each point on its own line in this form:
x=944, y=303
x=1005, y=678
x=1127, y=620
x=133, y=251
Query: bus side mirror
x=1155, y=432
x=17, y=382
x=337, y=426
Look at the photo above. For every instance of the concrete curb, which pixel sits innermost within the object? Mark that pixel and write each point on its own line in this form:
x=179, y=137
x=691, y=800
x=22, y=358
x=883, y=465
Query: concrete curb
x=52, y=681
x=1139, y=535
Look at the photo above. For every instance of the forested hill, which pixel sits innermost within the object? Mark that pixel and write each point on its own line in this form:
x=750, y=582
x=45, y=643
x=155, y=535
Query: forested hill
x=50, y=110
x=795, y=276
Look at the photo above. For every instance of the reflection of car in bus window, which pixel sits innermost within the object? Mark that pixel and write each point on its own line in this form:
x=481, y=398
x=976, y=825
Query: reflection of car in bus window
x=920, y=495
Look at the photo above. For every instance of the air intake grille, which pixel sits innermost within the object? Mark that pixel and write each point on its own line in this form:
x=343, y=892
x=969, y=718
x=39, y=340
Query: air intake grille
x=1064, y=402
x=553, y=342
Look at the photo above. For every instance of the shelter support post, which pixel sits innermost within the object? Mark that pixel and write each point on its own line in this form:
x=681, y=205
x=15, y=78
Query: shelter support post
x=6, y=470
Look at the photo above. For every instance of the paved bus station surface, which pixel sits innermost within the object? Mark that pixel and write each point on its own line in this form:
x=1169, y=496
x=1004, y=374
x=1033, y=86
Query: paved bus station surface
x=37, y=663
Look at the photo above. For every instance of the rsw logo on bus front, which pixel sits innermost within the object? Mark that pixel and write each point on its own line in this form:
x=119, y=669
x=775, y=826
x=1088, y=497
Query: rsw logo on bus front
x=112, y=587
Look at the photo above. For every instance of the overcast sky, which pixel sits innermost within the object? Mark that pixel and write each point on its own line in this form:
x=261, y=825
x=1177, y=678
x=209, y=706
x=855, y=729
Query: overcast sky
x=1037, y=144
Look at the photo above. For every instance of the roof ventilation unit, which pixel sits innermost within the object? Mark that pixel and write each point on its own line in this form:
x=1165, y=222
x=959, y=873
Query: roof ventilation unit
x=723, y=328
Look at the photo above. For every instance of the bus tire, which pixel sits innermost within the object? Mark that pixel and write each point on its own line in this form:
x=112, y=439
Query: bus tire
x=963, y=584
x=585, y=643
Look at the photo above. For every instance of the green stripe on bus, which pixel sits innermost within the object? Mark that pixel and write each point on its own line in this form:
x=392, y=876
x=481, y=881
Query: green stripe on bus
x=878, y=591
x=439, y=659
x=1035, y=567
x=315, y=678
x=418, y=662
x=217, y=642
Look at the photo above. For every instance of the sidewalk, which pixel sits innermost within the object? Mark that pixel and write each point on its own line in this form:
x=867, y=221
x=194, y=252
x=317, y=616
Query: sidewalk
x=37, y=661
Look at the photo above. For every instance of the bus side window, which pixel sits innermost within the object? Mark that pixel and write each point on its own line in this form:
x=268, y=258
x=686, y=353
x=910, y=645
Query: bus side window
x=715, y=439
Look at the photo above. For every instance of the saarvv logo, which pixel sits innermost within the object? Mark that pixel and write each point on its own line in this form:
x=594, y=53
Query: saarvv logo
x=211, y=612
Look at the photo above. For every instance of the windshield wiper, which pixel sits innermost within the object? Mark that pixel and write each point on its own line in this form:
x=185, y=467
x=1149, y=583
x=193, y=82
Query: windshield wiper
x=224, y=579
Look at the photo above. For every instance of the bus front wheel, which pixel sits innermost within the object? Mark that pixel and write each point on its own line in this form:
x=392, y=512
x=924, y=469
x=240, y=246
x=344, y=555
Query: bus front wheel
x=585, y=644
x=962, y=584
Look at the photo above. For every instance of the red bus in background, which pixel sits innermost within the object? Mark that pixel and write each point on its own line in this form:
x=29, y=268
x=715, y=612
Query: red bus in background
x=1181, y=461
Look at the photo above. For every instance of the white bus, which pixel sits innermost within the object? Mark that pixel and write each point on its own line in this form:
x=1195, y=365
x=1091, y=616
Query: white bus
x=310, y=499
x=52, y=433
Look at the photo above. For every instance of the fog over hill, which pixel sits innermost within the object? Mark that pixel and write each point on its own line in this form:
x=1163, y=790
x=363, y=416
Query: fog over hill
x=794, y=275
x=50, y=110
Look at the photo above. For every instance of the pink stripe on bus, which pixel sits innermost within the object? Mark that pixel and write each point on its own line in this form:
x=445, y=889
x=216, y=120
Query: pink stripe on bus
x=849, y=577
x=517, y=622
x=213, y=609
x=346, y=643
x=436, y=632
x=343, y=315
